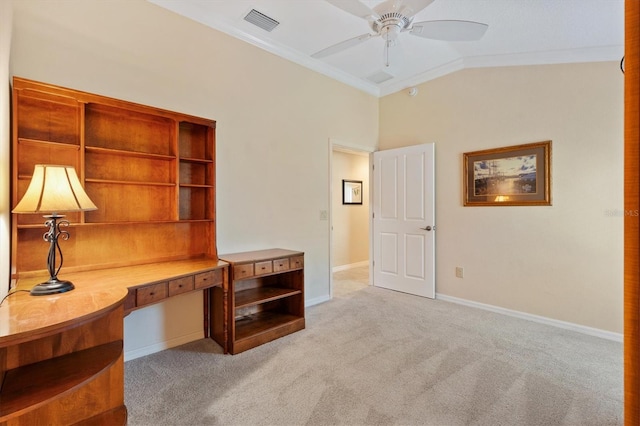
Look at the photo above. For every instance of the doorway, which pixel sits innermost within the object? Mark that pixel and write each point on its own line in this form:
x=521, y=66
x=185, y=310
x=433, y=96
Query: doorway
x=349, y=219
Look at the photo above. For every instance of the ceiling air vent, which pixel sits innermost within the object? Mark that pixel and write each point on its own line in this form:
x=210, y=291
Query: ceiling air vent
x=261, y=20
x=380, y=77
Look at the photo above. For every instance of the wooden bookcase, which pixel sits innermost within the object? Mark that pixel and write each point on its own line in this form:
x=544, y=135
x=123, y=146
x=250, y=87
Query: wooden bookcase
x=150, y=172
x=266, y=296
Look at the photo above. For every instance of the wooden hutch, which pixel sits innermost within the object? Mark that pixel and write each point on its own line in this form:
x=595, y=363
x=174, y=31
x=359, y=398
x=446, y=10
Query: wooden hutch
x=151, y=173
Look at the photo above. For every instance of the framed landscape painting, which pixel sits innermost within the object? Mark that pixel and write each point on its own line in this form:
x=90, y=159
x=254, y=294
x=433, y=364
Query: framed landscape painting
x=511, y=176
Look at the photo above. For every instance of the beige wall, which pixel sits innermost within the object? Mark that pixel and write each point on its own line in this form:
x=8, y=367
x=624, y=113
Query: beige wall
x=562, y=262
x=350, y=237
x=274, y=119
x=5, y=143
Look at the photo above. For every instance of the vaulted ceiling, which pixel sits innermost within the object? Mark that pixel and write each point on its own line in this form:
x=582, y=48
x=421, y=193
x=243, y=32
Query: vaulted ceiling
x=520, y=32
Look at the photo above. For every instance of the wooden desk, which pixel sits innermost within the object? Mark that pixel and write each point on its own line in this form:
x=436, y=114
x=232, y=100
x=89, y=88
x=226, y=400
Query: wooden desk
x=154, y=282
x=61, y=356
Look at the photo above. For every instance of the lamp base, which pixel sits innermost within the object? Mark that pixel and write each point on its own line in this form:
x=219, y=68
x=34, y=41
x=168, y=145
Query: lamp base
x=53, y=286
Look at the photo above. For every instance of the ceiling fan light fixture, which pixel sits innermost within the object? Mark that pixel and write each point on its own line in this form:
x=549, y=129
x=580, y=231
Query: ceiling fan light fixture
x=391, y=22
x=390, y=32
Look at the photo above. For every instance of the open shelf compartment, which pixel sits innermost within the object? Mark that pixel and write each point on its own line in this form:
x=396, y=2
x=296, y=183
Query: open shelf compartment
x=252, y=326
x=33, y=385
x=261, y=295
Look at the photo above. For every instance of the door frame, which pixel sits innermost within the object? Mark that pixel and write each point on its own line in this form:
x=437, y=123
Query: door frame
x=631, y=221
x=340, y=145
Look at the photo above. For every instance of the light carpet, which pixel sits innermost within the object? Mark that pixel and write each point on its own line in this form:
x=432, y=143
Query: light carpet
x=376, y=357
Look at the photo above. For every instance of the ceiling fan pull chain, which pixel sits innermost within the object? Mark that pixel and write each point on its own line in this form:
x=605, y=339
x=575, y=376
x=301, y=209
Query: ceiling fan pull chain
x=387, y=45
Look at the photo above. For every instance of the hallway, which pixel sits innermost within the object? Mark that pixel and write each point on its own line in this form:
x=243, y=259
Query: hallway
x=350, y=280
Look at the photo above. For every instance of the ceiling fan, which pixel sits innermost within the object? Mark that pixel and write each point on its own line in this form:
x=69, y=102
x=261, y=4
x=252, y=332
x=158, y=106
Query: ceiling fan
x=392, y=17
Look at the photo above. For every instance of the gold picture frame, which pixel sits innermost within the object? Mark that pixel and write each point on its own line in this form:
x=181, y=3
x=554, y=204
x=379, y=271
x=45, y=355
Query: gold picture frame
x=518, y=175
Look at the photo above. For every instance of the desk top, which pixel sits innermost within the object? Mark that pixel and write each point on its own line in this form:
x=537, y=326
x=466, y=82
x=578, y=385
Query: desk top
x=258, y=255
x=23, y=316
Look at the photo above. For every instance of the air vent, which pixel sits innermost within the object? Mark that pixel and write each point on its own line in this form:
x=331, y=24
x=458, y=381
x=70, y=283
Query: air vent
x=380, y=77
x=261, y=20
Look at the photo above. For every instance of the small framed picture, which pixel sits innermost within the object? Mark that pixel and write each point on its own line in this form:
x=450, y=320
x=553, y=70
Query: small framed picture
x=351, y=191
x=511, y=176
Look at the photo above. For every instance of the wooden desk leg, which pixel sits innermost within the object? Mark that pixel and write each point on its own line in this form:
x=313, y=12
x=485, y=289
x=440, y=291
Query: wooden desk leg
x=206, y=295
x=225, y=307
x=215, y=308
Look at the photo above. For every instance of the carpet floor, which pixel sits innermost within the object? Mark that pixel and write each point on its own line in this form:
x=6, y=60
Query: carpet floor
x=376, y=357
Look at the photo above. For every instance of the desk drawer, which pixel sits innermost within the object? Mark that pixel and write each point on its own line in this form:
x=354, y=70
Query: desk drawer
x=262, y=268
x=296, y=262
x=242, y=271
x=281, y=264
x=209, y=278
x=180, y=285
x=151, y=294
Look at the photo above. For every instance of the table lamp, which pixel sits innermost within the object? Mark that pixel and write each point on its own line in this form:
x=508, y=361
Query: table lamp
x=54, y=189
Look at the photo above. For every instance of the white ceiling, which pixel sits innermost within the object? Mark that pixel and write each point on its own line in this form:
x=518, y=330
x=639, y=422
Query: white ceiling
x=521, y=32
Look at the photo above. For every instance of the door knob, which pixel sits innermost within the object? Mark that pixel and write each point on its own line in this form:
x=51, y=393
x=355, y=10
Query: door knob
x=429, y=228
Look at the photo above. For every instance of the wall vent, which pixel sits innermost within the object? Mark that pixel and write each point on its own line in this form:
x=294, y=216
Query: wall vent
x=380, y=77
x=261, y=20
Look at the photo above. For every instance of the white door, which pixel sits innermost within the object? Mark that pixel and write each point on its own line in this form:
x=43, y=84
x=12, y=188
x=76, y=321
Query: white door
x=404, y=220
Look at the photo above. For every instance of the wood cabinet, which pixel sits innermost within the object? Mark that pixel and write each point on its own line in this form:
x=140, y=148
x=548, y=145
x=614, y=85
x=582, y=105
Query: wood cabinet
x=150, y=172
x=61, y=359
x=266, y=296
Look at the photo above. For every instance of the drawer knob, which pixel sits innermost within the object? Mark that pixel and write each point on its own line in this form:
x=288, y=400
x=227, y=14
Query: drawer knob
x=151, y=294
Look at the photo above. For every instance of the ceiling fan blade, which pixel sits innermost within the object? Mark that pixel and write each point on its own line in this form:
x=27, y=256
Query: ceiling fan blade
x=355, y=7
x=449, y=30
x=412, y=7
x=343, y=45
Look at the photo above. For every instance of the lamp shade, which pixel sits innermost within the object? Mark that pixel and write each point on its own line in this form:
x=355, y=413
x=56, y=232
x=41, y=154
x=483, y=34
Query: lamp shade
x=54, y=189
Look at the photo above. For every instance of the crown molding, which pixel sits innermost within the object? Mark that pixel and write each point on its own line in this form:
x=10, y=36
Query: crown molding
x=591, y=54
x=588, y=54
x=432, y=74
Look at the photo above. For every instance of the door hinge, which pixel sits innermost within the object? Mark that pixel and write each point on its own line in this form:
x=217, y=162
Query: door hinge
x=374, y=215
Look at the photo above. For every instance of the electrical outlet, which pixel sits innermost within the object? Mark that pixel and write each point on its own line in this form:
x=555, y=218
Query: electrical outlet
x=459, y=272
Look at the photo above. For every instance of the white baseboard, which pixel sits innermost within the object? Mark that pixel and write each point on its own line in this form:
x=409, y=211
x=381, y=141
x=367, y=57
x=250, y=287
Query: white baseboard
x=161, y=346
x=316, y=301
x=609, y=335
x=350, y=266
